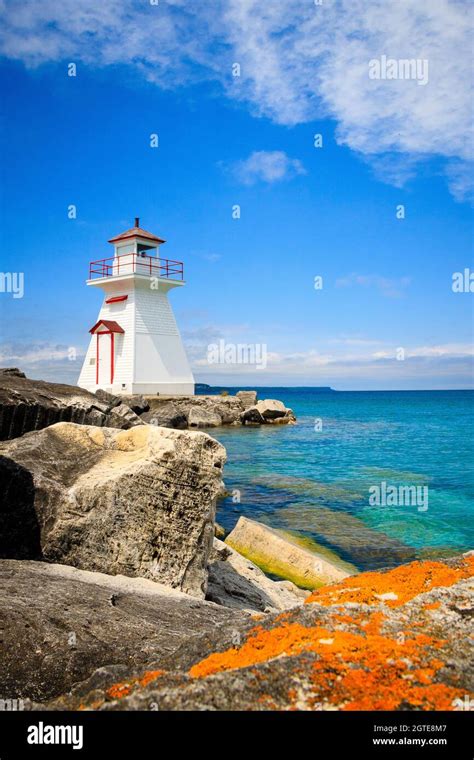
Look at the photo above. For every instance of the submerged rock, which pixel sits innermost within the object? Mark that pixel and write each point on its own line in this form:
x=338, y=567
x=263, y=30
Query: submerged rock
x=27, y=405
x=281, y=555
x=236, y=582
x=140, y=502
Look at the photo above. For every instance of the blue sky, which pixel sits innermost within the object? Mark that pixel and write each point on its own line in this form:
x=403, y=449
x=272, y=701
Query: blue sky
x=247, y=140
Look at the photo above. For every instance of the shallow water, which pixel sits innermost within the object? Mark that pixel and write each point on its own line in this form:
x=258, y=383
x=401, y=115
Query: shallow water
x=310, y=480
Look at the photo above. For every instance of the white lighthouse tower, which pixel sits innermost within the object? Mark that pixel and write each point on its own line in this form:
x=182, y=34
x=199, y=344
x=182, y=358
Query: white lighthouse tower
x=135, y=344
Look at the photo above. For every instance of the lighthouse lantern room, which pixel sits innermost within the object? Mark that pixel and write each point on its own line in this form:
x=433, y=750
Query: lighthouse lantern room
x=135, y=344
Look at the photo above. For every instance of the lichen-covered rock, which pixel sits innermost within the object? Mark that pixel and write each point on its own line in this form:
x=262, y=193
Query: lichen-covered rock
x=236, y=582
x=139, y=502
x=345, y=649
x=27, y=405
x=60, y=624
x=280, y=554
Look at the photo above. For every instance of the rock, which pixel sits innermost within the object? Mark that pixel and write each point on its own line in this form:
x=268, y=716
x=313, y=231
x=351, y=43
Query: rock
x=60, y=624
x=108, y=398
x=344, y=649
x=236, y=582
x=278, y=553
x=138, y=502
x=219, y=531
x=166, y=415
x=27, y=405
x=213, y=411
x=200, y=418
x=268, y=411
x=12, y=372
x=248, y=398
x=123, y=417
x=137, y=404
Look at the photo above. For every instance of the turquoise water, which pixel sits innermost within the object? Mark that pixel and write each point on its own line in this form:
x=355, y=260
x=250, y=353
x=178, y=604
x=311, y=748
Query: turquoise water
x=317, y=481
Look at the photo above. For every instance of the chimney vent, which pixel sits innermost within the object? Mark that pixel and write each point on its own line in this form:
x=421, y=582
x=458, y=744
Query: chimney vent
x=137, y=221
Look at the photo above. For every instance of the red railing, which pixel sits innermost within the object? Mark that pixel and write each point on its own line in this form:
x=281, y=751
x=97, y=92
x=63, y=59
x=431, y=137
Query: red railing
x=136, y=263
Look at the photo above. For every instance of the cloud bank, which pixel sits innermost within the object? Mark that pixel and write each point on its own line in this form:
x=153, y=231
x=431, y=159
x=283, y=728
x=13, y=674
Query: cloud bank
x=298, y=62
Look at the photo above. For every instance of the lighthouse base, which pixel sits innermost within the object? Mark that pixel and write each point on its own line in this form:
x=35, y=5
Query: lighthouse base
x=143, y=389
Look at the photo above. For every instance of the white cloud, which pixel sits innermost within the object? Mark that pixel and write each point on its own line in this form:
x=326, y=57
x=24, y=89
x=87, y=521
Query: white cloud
x=299, y=62
x=389, y=287
x=267, y=166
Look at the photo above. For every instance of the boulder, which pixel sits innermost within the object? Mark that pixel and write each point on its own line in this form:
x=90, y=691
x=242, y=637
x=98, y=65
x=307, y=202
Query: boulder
x=11, y=372
x=137, y=404
x=268, y=411
x=279, y=553
x=247, y=398
x=166, y=415
x=59, y=624
x=236, y=582
x=201, y=418
x=27, y=405
x=138, y=502
x=344, y=649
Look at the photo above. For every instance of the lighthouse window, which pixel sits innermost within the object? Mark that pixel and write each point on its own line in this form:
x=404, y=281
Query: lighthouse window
x=92, y=361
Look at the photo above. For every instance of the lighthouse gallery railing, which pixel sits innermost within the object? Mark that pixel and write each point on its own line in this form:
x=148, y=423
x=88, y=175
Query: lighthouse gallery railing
x=136, y=263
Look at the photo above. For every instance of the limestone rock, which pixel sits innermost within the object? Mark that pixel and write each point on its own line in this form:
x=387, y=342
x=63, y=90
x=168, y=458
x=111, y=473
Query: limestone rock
x=137, y=404
x=27, y=405
x=268, y=411
x=60, y=624
x=11, y=372
x=248, y=398
x=200, y=418
x=166, y=415
x=343, y=649
x=139, y=502
x=236, y=582
x=277, y=553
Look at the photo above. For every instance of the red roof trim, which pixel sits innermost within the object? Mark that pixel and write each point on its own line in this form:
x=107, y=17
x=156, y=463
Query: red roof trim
x=112, y=327
x=116, y=299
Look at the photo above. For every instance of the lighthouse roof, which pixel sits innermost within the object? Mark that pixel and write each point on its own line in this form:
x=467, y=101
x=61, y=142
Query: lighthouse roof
x=135, y=232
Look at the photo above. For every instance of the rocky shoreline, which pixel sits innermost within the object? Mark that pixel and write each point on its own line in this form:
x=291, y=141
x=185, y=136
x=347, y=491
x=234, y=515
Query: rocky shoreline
x=116, y=594
x=27, y=405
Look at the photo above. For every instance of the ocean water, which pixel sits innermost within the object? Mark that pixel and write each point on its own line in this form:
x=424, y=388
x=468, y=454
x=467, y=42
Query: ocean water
x=315, y=477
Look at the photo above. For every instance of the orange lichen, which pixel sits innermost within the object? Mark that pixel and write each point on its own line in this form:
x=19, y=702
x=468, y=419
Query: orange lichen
x=149, y=676
x=357, y=671
x=406, y=582
x=362, y=668
x=120, y=690
x=432, y=606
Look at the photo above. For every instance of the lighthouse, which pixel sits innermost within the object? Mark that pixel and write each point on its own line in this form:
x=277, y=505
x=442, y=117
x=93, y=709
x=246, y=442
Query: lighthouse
x=135, y=345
